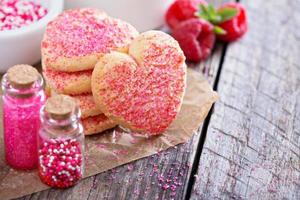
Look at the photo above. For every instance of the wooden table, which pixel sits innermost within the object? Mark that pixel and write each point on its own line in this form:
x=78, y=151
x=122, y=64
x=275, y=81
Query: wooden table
x=249, y=145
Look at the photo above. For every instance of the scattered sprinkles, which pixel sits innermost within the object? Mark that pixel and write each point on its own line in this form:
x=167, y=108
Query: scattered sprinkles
x=60, y=162
x=15, y=14
x=169, y=180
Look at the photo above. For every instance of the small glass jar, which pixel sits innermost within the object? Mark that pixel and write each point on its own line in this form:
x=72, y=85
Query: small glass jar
x=61, y=143
x=23, y=97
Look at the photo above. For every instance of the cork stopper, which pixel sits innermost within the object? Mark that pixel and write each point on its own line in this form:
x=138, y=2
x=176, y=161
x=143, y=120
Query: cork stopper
x=60, y=107
x=22, y=76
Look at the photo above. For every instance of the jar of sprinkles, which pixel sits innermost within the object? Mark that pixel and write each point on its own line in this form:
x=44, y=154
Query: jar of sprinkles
x=23, y=97
x=61, y=143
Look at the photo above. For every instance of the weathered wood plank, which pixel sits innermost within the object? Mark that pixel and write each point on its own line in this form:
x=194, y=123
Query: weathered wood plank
x=162, y=176
x=252, y=148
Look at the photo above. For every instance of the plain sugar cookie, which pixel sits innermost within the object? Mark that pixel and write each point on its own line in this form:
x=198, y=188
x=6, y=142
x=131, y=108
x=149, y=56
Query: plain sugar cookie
x=76, y=39
x=142, y=90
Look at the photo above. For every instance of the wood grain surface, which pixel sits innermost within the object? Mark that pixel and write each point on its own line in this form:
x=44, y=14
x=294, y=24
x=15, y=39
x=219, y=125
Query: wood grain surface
x=249, y=146
x=252, y=148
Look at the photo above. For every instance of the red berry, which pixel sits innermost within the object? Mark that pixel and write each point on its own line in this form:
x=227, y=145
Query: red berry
x=182, y=10
x=196, y=38
x=235, y=27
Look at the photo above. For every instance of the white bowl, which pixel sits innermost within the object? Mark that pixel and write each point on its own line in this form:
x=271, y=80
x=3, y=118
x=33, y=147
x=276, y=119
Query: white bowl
x=22, y=46
x=142, y=14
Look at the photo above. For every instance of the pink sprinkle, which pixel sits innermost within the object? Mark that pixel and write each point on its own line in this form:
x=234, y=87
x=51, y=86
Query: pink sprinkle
x=133, y=141
x=101, y=146
x=130, y=167
x=121, y=152
x=142, y=174
x=165, y=187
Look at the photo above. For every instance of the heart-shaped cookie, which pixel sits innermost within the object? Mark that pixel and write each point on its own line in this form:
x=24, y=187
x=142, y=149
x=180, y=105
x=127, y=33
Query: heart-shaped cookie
x=142, y=90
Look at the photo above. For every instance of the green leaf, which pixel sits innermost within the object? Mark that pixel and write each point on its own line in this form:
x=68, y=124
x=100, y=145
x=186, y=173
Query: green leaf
x=209, y=13
x=211, y=9
x=219, y=31
x=227, y=13
x=215, y=19
x=213, y=15
x=202, y=16
x=204, y=11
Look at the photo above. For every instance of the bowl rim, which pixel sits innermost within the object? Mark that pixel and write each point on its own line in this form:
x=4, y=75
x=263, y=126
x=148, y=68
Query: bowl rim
x=56, y=7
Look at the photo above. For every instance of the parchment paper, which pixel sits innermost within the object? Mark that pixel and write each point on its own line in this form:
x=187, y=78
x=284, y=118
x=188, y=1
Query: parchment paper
x=115, y=147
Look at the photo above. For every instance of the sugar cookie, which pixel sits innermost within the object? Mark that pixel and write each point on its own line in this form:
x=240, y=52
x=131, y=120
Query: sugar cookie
x=71, y=83
x=85, y=102
x=97, y=124
x=87, y=105
x=76, y=39
x=142, y=90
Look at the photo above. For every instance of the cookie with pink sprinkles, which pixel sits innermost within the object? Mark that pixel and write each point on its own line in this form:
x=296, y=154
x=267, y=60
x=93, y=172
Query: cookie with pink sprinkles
x=142, y=90
x=87, y=105
x=71, y=83
x=97, y=124
x=77, y=38
x=85, y=102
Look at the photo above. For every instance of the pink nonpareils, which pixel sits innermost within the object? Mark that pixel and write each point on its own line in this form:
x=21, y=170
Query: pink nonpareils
x=60, y=142
x=18, y=13
x=60, y=162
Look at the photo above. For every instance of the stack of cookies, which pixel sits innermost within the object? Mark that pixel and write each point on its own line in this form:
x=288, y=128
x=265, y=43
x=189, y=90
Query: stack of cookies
x=117, y=75
x=72, y=45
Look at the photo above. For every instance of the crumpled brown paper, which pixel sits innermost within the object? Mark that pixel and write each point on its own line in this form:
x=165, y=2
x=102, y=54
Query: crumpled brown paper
x=119, y=147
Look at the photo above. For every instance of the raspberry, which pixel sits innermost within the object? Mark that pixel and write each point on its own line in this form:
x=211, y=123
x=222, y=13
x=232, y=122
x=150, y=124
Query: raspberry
x=196, y=38
x=236, y=26
x=182, y=10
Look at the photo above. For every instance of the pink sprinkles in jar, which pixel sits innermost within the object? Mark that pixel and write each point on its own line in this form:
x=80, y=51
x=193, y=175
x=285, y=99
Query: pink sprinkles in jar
x=15, y=14
x=60, y=162
x=23, y=96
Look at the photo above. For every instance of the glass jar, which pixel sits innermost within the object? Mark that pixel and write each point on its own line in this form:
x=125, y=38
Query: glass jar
x=23, y=97
x=61, y=143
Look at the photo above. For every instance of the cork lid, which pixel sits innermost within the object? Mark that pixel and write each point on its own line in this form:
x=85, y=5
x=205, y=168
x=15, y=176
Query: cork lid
x=22, y=76
x=60, y=106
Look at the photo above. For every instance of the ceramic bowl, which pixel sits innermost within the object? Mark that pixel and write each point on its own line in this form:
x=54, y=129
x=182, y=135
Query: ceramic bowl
x=22, y=46
x=142, y=14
